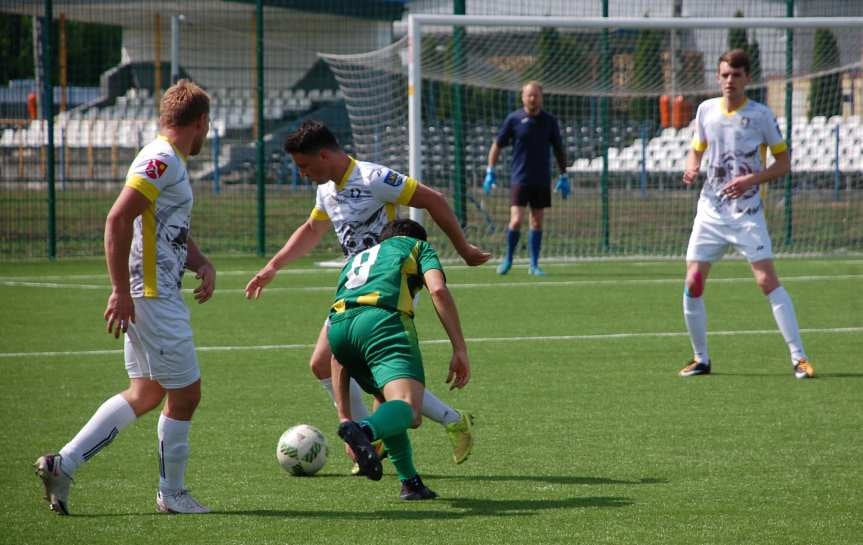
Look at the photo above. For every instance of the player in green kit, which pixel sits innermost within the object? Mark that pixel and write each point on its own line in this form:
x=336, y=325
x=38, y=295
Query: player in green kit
x=373, y=338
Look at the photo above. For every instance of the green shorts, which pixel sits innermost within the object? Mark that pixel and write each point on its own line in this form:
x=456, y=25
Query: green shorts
x=376, y=346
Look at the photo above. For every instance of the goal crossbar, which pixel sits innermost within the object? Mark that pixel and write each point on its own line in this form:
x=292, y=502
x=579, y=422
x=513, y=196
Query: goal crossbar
x=416, y=22
x=667, y=23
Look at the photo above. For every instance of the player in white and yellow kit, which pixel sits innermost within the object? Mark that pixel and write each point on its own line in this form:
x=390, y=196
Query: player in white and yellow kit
x=147, y=247
x=734, y=134
x=358, y=198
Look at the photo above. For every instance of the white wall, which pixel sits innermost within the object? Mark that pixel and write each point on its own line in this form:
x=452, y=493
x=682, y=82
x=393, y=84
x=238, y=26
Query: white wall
x=217, y=48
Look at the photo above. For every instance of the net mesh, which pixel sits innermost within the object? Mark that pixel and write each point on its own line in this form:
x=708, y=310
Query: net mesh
x=630, y=91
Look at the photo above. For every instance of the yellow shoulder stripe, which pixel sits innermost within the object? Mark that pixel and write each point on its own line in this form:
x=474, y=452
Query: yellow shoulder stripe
x=778, y=148
x=698, y=145
x=408, y=191
x=318, y=215
x=144, y=186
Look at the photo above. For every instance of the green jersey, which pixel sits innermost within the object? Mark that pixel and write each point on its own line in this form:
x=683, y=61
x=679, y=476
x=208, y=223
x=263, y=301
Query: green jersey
x=387, y=276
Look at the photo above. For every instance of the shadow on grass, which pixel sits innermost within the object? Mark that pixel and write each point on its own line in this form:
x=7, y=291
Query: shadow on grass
x=467, y=507
x=783, y=376
x=550, y=479
x=838, y=375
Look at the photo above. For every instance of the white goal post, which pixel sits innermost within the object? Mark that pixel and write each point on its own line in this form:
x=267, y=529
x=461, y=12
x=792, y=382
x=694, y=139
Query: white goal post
x=624, y=92
x=417, y=22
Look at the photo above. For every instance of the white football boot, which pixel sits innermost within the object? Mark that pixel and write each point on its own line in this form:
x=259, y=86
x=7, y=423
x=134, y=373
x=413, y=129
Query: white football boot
x=48, y=468
x=180, y=503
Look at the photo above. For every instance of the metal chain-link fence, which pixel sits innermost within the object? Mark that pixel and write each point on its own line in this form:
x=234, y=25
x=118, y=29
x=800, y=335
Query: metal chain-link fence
x=79, y=96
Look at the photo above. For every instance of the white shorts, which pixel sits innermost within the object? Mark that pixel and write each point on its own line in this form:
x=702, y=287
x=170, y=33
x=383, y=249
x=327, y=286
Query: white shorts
x=710, y=240
x=159, y=345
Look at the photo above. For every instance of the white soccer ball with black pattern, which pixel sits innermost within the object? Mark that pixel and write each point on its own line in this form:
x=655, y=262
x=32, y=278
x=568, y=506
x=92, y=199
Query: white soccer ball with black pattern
x=302, y=450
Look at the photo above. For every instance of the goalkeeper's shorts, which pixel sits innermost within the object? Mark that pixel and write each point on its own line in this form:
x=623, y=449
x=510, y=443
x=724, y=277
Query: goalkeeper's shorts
x=535, y=195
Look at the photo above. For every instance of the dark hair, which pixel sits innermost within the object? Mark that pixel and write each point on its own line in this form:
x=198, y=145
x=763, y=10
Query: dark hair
x=182, y=104
x=403, y=227
x=736, y=58
x=311, y=137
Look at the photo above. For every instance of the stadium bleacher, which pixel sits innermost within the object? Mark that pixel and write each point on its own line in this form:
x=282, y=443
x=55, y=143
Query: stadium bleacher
x=131, y=120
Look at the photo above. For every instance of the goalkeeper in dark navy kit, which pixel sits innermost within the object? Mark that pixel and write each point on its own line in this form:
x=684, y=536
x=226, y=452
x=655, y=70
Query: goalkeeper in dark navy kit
x=373, y=338
x=532, y=132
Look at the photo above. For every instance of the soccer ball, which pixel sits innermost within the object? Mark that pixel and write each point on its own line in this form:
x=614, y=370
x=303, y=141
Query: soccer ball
x=302, y=450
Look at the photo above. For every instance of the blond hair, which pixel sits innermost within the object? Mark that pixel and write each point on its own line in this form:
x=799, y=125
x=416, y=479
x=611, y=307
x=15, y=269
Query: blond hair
x=182, y=104
x=533, y=82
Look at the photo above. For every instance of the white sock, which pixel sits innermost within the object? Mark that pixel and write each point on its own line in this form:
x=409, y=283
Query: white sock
x=783, y=312
x=108, y=420
x=437, y=410
x=358, y=406
x=696, y=324
x=173, y=453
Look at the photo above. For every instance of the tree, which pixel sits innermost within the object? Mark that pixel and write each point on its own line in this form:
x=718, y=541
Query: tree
x=646, y=72
x=755, y=93
x=825, y=94
x=92, y=49
x=737, y=36
x=16, y=48
x=737, y=39
x=546, y=67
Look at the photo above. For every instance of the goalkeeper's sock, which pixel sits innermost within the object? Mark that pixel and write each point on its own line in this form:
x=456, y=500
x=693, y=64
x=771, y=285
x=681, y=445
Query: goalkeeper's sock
x=358, y=406
x=534, y=240
x=391, y=418
x=512, y=237
x=783, y=313
x=696, y=323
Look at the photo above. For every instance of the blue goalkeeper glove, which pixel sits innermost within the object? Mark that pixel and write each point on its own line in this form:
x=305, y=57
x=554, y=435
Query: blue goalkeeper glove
x=562, y=186
x=490, y=180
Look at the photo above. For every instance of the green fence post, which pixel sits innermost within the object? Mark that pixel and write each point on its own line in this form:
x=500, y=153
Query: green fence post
x=789, y=96
x=259, y=144
x=605, y=83
x=459, y=189
x=48, y=114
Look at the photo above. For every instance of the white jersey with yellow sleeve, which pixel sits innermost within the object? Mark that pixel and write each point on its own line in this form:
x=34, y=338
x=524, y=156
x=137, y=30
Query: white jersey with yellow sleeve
x=735, y=144
x=158, y=255
x=361, y=203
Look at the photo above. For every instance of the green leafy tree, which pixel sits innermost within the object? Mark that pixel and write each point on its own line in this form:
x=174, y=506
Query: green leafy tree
x=547, y=63
x=825, y=94
x=91, y=49
x=755, y=93
x=737, y=36
x=647, y=72
x=737, y=39
x=16, y=48
x=579, y=62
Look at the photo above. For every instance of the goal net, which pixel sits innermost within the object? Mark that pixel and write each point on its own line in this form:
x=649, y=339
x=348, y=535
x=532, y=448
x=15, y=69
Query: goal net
x=625, y=93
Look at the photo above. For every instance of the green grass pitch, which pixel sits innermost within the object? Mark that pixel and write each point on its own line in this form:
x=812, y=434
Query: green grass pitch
x=584, y=432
